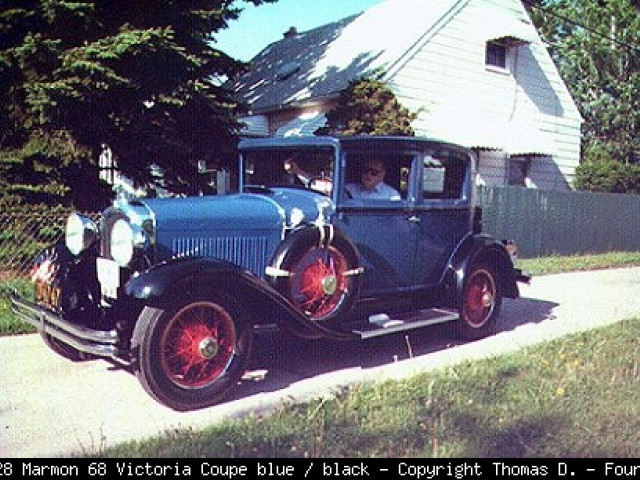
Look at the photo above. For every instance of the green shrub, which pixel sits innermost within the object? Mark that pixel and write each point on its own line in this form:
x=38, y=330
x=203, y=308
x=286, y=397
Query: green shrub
x=608, y=176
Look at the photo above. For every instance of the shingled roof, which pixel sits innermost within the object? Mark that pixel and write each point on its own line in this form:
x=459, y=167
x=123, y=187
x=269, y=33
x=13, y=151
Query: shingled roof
x=321, y=62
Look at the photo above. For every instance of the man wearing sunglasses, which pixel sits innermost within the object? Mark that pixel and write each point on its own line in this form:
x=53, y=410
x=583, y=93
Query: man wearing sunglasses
x=372, y=186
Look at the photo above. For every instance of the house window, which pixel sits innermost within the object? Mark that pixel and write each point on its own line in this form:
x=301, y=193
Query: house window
x=496, y=55
x=517, y=171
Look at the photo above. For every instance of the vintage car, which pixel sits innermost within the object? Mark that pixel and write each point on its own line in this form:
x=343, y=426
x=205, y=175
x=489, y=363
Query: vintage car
x=174, y=288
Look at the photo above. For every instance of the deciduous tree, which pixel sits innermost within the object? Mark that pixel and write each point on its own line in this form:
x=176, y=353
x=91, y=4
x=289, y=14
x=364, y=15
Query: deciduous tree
x=596, y=45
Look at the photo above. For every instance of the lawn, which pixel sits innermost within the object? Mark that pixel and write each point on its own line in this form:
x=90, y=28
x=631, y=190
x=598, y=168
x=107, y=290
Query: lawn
x=573, y=397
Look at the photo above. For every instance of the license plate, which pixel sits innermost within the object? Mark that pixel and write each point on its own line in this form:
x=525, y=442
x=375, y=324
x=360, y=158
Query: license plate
x=48, y=295
x=108, y=276
x=47, y=290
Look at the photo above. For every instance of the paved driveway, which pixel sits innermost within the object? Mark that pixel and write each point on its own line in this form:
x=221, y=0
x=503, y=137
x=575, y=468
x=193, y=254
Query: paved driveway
x=52, y=407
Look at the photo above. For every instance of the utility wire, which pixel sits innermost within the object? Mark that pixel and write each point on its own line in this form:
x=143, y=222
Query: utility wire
x=540, y=7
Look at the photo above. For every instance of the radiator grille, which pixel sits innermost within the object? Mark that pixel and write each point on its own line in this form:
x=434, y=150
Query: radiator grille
x=248, y=252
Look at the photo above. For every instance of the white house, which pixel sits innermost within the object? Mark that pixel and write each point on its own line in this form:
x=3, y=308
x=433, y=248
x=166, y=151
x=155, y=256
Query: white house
x=475, y=71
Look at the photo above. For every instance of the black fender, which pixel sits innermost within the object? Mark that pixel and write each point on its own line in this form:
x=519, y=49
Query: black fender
x=181, y=278
x=322, y=236
x=475, y=248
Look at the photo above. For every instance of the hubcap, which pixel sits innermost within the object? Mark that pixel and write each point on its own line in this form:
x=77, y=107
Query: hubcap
x=208, y=348
x=329, y=284
x=487, y=299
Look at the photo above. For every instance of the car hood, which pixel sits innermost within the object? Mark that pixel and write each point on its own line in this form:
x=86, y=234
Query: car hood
x=271, y=209
x=243, y=228
x=225, y=212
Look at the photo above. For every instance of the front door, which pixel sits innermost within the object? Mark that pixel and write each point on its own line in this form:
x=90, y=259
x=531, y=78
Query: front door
x=385, y=242
x=376, y=220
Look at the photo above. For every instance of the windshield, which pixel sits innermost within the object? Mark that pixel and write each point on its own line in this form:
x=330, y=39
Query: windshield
x=290, y=167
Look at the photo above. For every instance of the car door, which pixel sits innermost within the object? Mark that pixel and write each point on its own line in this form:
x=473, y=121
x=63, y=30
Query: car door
x=379, y=228
x=441, y=216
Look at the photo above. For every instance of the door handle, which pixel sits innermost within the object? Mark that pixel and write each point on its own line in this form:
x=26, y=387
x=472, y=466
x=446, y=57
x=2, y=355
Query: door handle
x=414, y=219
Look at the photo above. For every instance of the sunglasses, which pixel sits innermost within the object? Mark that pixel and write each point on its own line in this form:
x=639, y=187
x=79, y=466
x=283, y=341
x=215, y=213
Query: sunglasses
x=374, y=172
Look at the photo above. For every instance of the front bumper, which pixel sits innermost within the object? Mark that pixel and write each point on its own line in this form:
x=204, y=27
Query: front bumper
x=100, y=343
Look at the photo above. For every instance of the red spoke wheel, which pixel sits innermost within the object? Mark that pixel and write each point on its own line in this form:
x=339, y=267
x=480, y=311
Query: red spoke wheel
x=192, y=355
x=318, y=283
x=197, y=344
x=479, y=298
x=481, y=303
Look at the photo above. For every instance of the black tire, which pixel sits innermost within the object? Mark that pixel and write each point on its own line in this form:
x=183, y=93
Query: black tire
x=480, y=303
x=322, y=273
x=65, y=350
x=192, y=355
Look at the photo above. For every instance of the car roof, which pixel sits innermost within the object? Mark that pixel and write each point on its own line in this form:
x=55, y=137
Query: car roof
x=351, y=142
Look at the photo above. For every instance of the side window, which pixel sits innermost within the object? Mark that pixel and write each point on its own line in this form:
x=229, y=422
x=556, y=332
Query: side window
x=433, y=176
x=443, y=175
x=375, y=175
x=517, y=171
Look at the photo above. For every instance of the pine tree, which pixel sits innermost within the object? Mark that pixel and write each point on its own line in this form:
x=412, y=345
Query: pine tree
x=134, y=75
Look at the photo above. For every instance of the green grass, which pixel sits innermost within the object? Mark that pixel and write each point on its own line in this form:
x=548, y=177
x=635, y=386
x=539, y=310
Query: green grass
x=573, y=397
x=574, y=263
x=9, y=324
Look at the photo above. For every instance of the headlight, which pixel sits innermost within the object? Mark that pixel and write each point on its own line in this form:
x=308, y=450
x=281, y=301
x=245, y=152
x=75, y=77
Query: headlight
x=125, y=239
x=80, y=233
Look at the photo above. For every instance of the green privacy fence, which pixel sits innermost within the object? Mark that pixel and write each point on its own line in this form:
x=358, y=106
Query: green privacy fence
x=564, y=223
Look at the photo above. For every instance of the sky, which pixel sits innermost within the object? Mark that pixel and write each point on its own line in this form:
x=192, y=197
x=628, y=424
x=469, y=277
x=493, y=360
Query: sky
x=260, y=26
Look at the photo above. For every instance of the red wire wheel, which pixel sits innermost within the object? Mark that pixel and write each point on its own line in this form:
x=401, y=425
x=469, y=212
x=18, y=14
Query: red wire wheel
x=480, y=298
x=318, y=284
x=197, y=345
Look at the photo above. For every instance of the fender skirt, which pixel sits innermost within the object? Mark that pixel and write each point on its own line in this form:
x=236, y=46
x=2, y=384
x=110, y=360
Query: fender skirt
x=182, y=278
x=482, y=247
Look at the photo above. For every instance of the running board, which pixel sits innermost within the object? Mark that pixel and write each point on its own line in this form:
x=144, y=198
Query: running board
x=383, y=324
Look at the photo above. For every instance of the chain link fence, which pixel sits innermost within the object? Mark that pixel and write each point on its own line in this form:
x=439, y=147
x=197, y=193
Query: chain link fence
x=24, y=232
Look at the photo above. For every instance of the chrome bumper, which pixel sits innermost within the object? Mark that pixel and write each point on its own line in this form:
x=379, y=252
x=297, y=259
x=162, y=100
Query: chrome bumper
x=101, y=343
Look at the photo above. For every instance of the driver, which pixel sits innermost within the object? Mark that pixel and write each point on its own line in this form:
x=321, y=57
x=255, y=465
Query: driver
x=372, y=185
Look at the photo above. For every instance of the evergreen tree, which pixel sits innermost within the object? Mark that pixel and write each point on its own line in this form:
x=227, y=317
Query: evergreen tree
x=133, y=75
x=368, y=107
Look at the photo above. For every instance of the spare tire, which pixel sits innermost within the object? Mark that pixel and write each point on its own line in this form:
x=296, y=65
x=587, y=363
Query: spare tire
x=317, y=269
